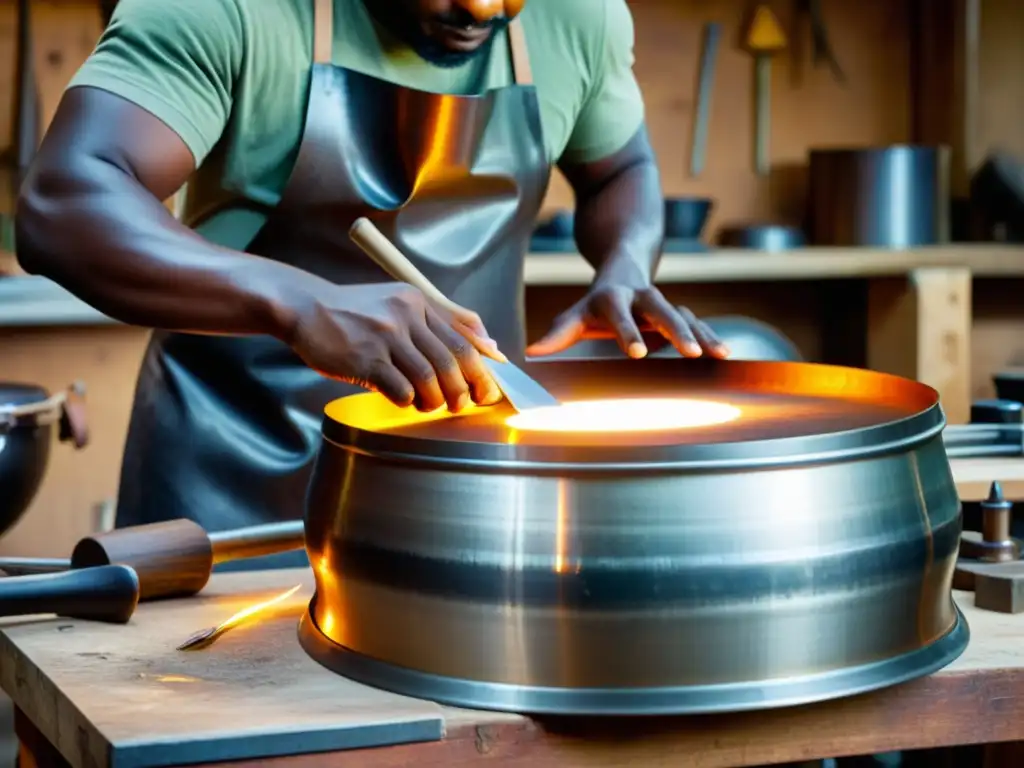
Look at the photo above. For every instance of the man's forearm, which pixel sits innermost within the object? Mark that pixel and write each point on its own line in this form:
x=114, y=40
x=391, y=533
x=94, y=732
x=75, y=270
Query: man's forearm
x=623, y=221
x=620, y=210
x=96, y=231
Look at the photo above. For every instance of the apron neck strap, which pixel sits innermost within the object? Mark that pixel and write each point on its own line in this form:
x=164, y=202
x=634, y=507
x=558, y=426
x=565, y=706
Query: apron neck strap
x=323, y=41
x=521, y=71
x=323, y=31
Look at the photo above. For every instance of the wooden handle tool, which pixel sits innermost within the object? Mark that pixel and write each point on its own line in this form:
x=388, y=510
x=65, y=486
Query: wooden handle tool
x=764, y=38
x=173, y=558
x=386, y=255
x=520, y=390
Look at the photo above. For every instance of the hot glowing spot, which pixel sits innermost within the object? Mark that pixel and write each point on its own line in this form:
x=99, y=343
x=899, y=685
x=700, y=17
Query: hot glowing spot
x=626, y=415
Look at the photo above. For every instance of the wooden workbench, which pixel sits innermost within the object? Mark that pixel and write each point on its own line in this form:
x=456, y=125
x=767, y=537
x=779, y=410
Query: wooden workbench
x=123, y=696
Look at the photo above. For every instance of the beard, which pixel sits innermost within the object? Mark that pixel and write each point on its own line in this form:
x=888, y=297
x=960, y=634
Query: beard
x=412, y=30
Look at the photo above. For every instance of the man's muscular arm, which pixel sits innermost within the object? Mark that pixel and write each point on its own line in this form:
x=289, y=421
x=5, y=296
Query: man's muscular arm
x=90, y=218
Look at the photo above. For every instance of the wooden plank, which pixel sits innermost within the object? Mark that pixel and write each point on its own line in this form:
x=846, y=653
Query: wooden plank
x=97, y=691
x=726, y=265
x=945, y=44
x=920, y=327
x=122, y=695
x=730, y=265
x=939, y=711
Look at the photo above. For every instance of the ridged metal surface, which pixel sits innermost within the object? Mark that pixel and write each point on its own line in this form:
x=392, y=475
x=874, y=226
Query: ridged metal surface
x=691, y=574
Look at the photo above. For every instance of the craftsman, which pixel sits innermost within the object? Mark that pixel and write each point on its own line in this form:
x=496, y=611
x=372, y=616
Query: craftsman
x=289, y=119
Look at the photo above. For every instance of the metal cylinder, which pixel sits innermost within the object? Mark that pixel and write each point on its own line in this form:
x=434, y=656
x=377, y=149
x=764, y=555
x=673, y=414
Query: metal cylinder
x=886, y=197
x=801, y=552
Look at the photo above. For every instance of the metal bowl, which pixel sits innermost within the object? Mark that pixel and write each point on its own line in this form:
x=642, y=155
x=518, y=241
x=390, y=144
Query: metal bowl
x=28, y=418
x=685, y=217
x=24, y=451
x=802, y=552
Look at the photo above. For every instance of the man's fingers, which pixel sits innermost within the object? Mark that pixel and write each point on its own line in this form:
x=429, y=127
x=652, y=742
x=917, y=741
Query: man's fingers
x=566, y=331
x=482, y=388
x=472, y=321
x=471, y=326
x=484, y=344
x=671, y=323
x=420, y=373
x=615, y=309
x=446, y=367
x=706, y=337
x=390, y=382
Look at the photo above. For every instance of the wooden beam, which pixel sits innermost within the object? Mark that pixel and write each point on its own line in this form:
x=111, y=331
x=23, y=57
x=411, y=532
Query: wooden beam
x=944, y=82
x=920, y=327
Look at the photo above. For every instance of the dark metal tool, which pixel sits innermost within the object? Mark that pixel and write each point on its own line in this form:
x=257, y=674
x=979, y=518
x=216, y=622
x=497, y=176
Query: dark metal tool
x=996, y=429
x=108, y=594
x=821, y=44
x=26, y=93
x=173, y=558
x=702, y=118
x=989, y=563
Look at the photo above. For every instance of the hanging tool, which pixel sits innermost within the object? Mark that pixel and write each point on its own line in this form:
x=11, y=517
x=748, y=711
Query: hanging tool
x=764, y=39
x=698, y=155
x=821, y=44
x=26, y=93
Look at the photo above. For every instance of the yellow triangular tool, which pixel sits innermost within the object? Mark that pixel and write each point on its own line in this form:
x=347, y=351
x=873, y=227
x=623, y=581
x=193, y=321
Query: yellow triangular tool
x=765, y=33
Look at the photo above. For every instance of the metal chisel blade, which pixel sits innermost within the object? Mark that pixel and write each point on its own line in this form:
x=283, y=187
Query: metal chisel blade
x=521, y=391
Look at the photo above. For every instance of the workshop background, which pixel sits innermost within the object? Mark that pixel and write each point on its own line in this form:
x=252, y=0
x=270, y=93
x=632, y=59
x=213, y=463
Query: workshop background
x=944, y=309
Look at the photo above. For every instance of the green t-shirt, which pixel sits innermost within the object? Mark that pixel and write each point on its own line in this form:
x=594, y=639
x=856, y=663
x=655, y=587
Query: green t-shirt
x=231, y=77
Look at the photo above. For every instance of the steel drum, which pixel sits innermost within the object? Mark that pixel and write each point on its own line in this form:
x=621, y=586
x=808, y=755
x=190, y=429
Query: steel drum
x=801, y=551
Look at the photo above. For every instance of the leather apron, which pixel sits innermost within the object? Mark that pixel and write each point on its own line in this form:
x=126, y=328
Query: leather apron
x=224, y=430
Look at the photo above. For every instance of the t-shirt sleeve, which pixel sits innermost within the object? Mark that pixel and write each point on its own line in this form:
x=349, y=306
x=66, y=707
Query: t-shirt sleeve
x=177, y=60
x=613, y=109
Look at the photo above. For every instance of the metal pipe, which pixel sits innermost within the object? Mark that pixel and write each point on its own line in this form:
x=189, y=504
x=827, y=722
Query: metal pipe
x=257, y=540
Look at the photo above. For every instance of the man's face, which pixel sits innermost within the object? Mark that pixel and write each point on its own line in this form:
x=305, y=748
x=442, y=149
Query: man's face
x=444, y=32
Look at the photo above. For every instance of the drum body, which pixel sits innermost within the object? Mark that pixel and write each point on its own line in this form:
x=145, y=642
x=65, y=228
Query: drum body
x=801, y=551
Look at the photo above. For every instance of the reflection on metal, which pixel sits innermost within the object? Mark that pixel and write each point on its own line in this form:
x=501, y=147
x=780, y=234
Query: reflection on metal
x=801, y=552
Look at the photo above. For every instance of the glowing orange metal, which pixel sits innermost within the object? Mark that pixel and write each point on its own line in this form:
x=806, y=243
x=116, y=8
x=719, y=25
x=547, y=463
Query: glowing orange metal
x=624, y=415
x=206, y=637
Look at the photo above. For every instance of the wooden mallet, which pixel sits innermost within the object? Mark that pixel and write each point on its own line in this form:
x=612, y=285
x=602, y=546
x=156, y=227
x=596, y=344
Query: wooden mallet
x=172, y=559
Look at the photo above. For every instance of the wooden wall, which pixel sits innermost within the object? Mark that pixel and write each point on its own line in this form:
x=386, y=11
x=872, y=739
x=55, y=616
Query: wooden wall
x=872, y=38
x=64, y=33
x=809, y=108
x=999, y=120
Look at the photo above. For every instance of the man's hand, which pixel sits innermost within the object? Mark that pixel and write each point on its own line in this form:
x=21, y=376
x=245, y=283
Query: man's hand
x=619, y=297
x=388, y=338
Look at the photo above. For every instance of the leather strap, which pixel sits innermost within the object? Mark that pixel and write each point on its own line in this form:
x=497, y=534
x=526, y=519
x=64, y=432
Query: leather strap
x=323, y=31
x=521, y=71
